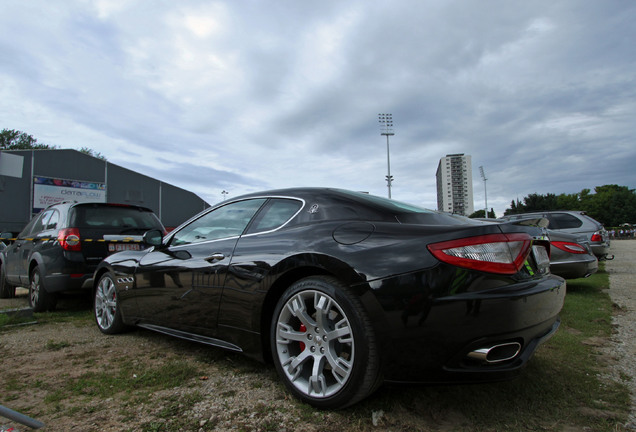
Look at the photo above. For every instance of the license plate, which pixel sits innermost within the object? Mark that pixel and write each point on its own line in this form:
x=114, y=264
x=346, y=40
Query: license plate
x=542, y=259
x=118, y=247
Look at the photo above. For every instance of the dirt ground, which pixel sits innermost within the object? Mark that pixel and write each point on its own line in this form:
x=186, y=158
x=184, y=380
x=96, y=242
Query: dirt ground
x=622, y=291
x=61, y=373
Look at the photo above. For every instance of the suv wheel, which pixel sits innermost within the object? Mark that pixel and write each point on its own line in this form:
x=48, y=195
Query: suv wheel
x=6, y=289
x=39, y=299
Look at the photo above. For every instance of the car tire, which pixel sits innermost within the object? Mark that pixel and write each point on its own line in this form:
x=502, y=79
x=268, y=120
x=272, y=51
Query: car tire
x=39, y=299
x=323, y=344
x=106, y=306
x=6, y=289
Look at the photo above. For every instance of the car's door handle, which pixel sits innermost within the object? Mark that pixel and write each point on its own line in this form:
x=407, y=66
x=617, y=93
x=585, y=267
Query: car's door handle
x=215, y=257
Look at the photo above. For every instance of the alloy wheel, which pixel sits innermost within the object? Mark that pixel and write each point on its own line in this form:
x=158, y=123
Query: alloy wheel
x=34, y=289
x=105, y=303
x=315, y=344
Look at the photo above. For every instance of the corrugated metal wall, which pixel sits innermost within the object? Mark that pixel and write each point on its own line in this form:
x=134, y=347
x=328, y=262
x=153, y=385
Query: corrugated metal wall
x=172, y=204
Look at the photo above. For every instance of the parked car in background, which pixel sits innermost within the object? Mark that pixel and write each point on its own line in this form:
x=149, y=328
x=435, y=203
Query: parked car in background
x=60, y=248
x=574, y=222
x=342, y=290
x=571, y=256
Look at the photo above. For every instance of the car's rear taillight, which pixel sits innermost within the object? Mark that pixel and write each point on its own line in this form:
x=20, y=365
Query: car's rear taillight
x=69, y=239
x=493, y=253
x=597, y=237
x=569, y=247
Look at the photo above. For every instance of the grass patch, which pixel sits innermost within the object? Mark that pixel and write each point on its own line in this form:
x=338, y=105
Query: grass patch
x=81, y=316
x=8, y=321
x=56, y=346
x=171, y=413
x=128, y=378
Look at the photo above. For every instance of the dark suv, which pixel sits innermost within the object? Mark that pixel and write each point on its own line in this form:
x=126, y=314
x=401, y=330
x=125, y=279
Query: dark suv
x=61, y=247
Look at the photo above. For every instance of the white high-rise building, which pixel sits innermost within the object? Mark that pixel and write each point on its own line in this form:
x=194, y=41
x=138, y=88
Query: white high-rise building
x=455, y=184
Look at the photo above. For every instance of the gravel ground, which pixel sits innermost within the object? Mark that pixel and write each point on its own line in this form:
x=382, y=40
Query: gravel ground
x=622, y=271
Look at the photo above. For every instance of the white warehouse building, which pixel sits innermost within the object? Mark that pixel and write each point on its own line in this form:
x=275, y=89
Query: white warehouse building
x=455, y=184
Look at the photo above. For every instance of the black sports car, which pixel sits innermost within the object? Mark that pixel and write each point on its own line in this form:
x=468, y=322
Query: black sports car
x=342, y=290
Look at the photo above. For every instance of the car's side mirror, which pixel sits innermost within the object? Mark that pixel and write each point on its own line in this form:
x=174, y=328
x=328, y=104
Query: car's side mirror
x=153, y=237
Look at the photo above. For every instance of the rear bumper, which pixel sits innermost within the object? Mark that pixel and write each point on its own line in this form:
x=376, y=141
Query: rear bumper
x=63, y=282
x=435, y=347
x=601, y=250
x=67, y=272
x=575, y=269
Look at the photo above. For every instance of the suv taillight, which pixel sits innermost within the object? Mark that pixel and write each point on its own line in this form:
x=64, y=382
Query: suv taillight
x=597, y=237
x=69, y=239
x=493, y=253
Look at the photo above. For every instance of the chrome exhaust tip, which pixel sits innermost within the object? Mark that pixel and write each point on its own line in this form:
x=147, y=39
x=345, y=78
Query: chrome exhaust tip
x=496, y=353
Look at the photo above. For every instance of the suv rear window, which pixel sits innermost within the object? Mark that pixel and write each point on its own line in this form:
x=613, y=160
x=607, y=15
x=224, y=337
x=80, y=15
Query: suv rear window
x=563, y=221
x=113, y=217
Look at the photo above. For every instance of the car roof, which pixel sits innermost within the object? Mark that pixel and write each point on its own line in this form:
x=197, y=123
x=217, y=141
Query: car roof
x=338, y=204
x=331, y=195
x=578, y=212
x=98, y=204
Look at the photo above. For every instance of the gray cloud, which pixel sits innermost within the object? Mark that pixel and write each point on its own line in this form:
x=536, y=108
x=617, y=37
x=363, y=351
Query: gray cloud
x=241, y=97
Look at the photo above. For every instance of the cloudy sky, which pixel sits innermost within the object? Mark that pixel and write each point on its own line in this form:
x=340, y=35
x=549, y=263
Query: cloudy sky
x=250, y=95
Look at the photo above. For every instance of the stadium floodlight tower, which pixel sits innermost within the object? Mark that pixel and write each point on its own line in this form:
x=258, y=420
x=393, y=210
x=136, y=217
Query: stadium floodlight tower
x=483, y=177
x=386, y=128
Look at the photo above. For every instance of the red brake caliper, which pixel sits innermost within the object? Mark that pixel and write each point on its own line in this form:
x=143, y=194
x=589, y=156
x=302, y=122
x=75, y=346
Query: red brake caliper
x=302, y=344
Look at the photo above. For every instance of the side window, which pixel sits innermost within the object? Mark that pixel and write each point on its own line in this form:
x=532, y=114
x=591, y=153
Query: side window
x=276, y=213
x=42, y=221
x=27, y=229
x=53, y=221
x=223, y=222
x=564, y=221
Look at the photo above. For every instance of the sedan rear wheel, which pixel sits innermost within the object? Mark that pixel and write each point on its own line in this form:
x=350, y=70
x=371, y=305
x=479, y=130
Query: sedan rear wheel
x=106, y=306
x=323, y=344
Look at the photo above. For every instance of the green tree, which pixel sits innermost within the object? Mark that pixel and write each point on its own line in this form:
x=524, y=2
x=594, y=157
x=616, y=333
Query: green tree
x=481, y=214
x=11, y=139
x=516, y=207
x=612, y=205
x=93, y=153
x=536, y=202
x=568, y=202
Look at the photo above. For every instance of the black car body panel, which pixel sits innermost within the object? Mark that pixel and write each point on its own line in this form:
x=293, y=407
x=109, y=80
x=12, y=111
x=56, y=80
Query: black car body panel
x=427, y=315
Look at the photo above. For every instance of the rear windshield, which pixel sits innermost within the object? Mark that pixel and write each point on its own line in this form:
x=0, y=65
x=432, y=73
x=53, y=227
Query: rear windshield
x=411, y=214
x=106, y=217
x=387, y=204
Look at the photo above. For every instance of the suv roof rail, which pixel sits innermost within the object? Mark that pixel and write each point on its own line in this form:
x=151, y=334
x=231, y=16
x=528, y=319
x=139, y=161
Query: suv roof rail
x=61, y=202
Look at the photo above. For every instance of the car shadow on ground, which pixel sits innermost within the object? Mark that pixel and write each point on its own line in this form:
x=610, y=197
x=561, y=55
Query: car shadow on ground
x=67, y=302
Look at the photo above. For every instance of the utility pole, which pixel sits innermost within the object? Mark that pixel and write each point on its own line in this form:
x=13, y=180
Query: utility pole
x=386, y=122
x=483, y=177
